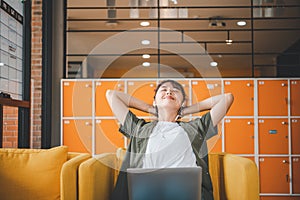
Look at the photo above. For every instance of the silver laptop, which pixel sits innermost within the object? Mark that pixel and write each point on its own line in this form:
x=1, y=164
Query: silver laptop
x=165, y=183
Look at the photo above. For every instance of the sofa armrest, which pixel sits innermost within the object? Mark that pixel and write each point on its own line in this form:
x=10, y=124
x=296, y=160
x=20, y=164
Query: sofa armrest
x=241, y=178
x=97, y=177
x=69, y=175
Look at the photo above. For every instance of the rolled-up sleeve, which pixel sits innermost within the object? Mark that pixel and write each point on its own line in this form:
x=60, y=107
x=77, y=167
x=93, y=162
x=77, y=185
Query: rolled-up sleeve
x=208, y=129
x=130, y=124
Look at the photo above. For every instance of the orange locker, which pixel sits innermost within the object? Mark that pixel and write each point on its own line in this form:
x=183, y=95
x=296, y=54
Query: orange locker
x=77, y=135
x=272, y=98
x=295, y=129
x=296, y=175
x=214, y=144
x=243, y=91
x=295, y=97
x=107, y=137
x=143, y=90
x=77, y=98
x=273, y=136
x=239, y=136
x=186, y=87
x=251, y=158
x=274, y=174
x=203, y=89
x=101, y=105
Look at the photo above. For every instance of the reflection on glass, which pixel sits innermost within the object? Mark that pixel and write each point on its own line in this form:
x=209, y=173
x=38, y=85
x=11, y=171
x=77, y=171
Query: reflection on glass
x=173, y=30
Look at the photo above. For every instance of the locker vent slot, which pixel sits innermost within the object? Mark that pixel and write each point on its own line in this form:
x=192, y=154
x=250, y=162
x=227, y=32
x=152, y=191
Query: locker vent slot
x=273, y=131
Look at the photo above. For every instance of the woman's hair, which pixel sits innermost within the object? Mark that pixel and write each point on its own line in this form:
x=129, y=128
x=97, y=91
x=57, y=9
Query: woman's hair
x=174, y=84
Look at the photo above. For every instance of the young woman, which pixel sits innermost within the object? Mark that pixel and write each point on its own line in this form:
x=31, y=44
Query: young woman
x=167, y=142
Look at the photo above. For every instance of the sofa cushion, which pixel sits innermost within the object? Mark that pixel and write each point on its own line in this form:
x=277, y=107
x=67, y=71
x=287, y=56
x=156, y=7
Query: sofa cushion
x=31, y=173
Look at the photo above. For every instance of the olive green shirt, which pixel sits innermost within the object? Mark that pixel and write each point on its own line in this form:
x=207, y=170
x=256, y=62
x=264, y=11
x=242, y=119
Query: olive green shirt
x=198, y=130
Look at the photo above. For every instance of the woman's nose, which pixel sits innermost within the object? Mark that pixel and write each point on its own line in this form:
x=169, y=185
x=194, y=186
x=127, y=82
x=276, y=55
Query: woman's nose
x=169, y=92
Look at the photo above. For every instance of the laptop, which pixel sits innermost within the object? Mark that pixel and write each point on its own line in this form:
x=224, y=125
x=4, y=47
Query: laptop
x=165, y=183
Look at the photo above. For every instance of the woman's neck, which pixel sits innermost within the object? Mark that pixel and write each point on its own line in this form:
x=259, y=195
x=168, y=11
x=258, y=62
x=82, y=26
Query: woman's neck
x=166, y=115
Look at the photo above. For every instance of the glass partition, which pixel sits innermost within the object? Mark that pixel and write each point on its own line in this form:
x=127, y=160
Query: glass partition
x=176, y=38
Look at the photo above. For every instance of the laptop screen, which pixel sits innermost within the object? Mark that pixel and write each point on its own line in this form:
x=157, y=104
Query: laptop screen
x=165, y=183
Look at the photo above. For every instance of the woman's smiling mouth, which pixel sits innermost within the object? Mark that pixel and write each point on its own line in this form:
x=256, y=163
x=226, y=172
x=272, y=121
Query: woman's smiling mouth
x=169, y=97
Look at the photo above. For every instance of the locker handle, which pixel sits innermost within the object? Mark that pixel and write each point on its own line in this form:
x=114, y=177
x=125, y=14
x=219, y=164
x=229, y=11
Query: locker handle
x=88, y=123
x=287, y=178
x=98, y=83
x=284, y=123
x=285, y=161
x=249, y=123
x=87, y=85
x=248, y=84
x=283, y=84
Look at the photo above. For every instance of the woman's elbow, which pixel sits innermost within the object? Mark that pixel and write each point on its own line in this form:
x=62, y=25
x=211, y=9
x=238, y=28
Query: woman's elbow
x=109, y=94
x=229, y=98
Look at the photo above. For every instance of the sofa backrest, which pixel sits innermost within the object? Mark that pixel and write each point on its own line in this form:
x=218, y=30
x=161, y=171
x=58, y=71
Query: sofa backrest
x=31, y=173
x=233, y=177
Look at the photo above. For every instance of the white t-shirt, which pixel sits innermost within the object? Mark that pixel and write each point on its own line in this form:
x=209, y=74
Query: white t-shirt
x=169, y=146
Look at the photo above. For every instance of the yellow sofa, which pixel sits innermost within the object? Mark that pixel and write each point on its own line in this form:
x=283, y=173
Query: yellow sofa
x=39, y=174
x=234, y=177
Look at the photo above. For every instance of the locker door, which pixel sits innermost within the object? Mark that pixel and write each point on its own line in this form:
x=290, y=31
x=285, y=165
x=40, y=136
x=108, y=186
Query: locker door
x=295, y=129
x=273, y=136
x=243, y=91
x=101, y=106
x=143, y=90
x=108, y=138
x=205, y=89
x=296, y=175
x=214, y=144
x=295, y=98
x=272, y=98
x=251, y=158
x=274, y=174
x=239, y=136
x=77, y=98
x=185, y=85
x=77, y=135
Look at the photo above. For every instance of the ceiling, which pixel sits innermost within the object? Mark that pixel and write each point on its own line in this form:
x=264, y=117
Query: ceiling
x=104, y=38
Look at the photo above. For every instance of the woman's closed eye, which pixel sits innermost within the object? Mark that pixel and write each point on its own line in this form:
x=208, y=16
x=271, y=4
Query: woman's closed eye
x=175, y=90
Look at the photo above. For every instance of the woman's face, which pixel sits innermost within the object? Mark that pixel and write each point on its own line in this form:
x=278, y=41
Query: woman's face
x=169, y=95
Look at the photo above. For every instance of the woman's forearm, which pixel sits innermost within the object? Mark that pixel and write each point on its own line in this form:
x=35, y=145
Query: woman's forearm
x=206, y=104
x=132, y=102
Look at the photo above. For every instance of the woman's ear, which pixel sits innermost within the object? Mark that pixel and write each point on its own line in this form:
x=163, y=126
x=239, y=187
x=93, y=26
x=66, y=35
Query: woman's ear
x=183, y=103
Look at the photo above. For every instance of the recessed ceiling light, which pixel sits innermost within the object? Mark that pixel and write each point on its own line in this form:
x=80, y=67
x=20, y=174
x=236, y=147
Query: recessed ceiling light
x=145, y=23
x=146, y=64
x=146, y=56
x=241, y=23
x=1, y=64
x=145, y=42
x=214, y=64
